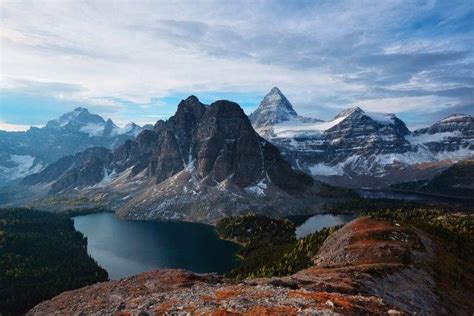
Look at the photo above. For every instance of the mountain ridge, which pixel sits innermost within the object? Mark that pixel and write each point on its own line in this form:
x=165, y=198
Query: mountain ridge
x=356, y=148
x=72, y=132
x=203, y=163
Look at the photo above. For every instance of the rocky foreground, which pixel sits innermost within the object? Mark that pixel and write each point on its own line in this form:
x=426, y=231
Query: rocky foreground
x=367, y=267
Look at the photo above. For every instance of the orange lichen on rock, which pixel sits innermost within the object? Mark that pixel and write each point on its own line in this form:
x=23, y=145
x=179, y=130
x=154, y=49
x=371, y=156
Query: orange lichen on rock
x=228, y=292
x=164, y=307
x=367, y=241
x=271, y=310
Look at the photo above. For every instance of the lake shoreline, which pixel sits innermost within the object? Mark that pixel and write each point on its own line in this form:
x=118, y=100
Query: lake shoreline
x=127, y=247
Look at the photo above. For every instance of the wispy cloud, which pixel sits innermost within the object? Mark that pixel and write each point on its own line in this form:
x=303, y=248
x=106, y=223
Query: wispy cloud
x=131, y=60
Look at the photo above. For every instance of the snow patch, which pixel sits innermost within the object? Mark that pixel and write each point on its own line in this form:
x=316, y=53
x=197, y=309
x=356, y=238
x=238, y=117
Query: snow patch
x=108, y=177
x=296, y=127
x=453, y=118
x=24, y=166
x=129, y=129
x=429, y=138
x=321, y=169
x=382, y=118
x=93, y=129
x=258, y=189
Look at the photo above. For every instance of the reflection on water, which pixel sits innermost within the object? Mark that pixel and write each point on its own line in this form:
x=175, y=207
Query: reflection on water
x=320, y=221
x=126, y=248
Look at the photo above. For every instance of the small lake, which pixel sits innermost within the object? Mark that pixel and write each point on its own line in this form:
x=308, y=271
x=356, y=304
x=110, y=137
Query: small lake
x=126, y=248
x=320, y=221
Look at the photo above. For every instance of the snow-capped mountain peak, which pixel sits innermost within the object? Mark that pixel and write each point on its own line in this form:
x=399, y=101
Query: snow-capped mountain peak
x=81, y=120
x=130, y=129
x=350, y=111
x=70, y=133
x=273, y=109
x=276, y=109
x=454, y=117
x=451, y=123
x=373, y=148
x=275, y=99
x=75, y=120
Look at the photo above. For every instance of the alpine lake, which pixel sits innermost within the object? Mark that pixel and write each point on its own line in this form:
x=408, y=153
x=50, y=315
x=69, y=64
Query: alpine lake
x=125, y=248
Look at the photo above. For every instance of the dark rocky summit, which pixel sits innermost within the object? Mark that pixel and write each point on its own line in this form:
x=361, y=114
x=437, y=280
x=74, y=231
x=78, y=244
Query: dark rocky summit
x=369, y=266
x=204, y=163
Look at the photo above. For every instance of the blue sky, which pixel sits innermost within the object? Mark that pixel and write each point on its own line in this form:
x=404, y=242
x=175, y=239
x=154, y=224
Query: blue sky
x=134, y=60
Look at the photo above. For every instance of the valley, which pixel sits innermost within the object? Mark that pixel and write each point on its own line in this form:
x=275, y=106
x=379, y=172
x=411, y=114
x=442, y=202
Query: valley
x=237, y=201
x=127, y=248
x=228, y=158
x=387, y=262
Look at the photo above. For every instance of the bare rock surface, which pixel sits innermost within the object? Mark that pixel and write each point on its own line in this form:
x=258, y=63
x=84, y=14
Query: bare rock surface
x=204, y=163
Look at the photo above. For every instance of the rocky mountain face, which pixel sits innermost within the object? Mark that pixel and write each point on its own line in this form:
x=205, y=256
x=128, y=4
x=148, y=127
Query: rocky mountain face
x=275, y=108
x=369, y=266
x=24, y=153
x=456, y=180
x=356, y=148
x=202, y=164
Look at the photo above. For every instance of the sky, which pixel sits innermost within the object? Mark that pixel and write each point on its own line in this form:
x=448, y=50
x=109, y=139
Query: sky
x=135, y=60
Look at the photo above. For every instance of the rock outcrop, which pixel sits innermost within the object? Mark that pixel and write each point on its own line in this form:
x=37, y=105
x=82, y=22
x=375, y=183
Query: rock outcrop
x=204, y=163
x=367, y=267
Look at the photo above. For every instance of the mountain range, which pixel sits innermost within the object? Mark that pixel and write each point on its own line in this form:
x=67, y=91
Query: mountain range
x=24, y=153
x=210, y=161
x=362, y=149
x=204, y=163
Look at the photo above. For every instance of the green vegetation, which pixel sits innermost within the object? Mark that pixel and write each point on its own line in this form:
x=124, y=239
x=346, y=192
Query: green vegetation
x=86, y=211
x=361, y=205
x=330, y=191
x=270, y=246
x=457, y=180
x=41, y=255
x=454, y=230
x=455, y=233
x=252, y=229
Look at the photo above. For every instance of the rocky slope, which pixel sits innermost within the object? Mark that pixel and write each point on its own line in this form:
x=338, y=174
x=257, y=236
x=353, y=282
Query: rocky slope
x=202, y=164
x=457, y=180
x=24, y=153
x=362, y=149
x=367, y=267
x=275, y=108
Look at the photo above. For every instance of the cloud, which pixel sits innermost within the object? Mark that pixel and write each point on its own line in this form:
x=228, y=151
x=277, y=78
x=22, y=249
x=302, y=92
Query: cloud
x=131, y=60
x=14, y=127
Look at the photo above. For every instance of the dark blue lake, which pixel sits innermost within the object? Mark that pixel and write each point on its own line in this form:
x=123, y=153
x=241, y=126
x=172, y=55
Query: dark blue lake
x=127, y=248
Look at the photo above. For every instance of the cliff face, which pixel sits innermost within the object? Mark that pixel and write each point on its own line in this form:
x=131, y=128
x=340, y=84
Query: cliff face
x=367, y=267
x=204, y=163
